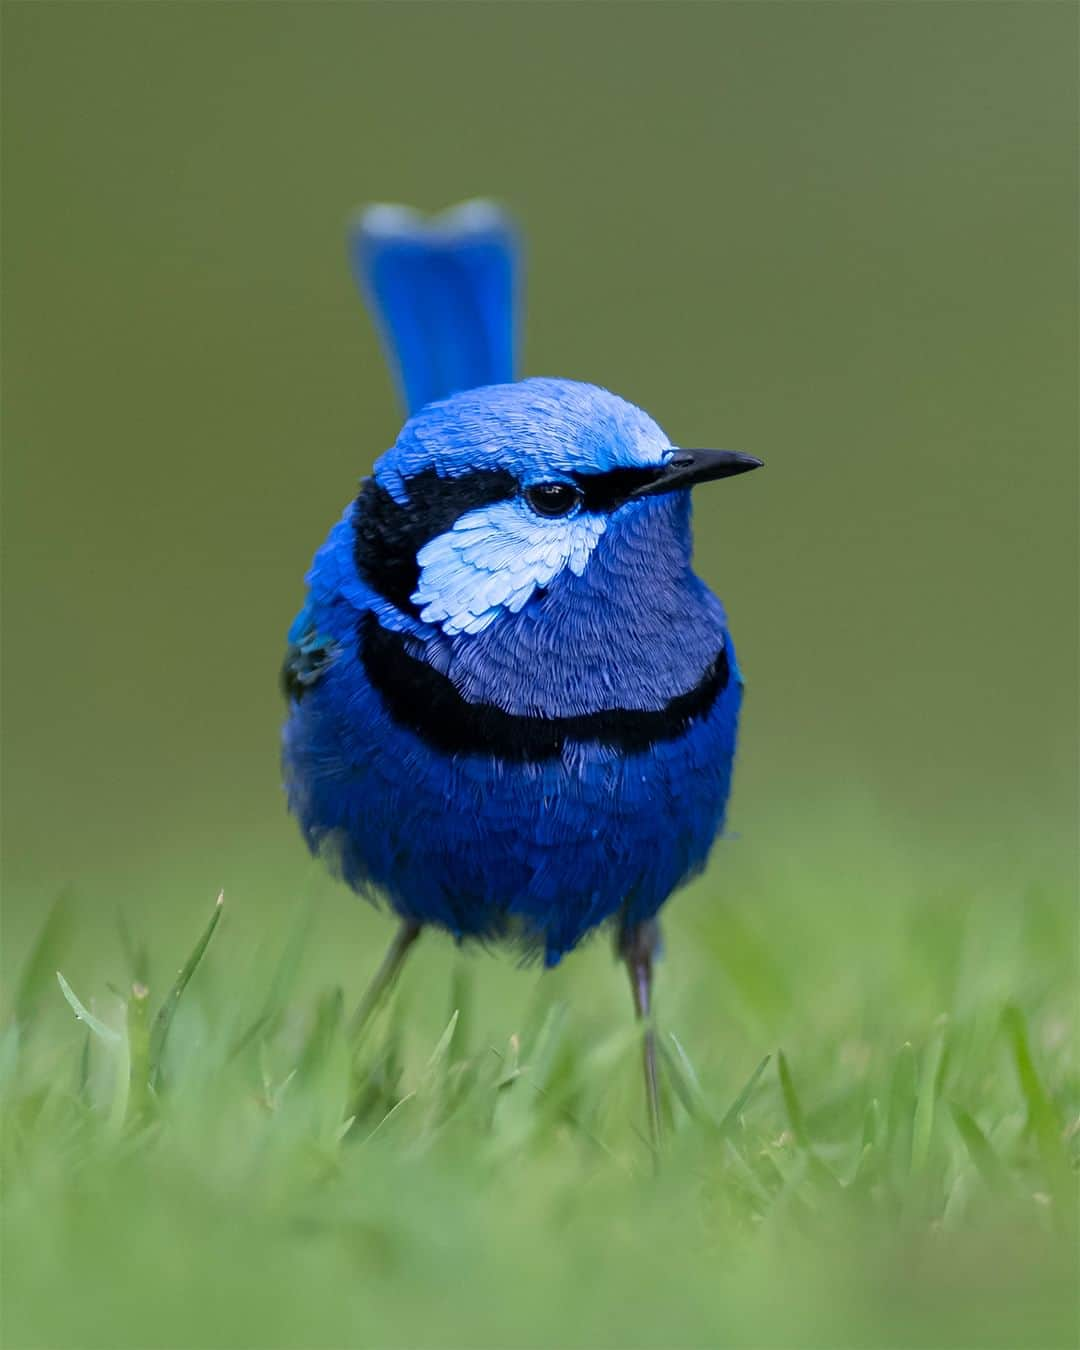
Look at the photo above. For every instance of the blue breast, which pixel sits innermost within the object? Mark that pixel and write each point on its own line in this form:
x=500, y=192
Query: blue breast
x=568, y=764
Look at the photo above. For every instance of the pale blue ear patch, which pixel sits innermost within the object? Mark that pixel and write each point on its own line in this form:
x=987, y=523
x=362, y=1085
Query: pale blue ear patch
x=495, y=559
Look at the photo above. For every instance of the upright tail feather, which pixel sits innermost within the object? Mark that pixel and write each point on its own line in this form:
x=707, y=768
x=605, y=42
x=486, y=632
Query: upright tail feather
x=443, y=292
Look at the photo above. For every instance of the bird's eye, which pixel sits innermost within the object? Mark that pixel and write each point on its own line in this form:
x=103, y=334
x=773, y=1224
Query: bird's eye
x=552, y=499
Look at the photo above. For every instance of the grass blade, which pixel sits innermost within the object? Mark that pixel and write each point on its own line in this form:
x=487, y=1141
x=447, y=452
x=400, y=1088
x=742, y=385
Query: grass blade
x=43, y=958
x=873, y=1129
x=731, y=1115
x=434, y=1087
x=981, y=1151
x=163, y=1021
x=461, y=1001
x=1042, y=1118
x=791, y=1101
x=923, y=1126
x=98, y=1027
x=816, y=1168
x=138, y=1027
x=9, y=1055
x=281, y=982
x=683, y=1078
x=442, y=1048
x=329, y=1015
x=903, y=1096
x=870, y=1148
x=392, y=1114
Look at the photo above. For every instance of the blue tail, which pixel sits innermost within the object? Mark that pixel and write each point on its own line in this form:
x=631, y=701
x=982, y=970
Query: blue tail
x=443, y=292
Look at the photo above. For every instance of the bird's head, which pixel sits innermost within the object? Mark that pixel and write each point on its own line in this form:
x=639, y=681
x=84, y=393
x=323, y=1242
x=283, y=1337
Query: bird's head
x=490, y=496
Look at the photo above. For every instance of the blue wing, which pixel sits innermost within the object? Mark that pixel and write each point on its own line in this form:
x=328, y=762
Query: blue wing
x=307, y=656
x=444, y=295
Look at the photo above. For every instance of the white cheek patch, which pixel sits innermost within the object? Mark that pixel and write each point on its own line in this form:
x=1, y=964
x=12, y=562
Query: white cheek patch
x=494, y=559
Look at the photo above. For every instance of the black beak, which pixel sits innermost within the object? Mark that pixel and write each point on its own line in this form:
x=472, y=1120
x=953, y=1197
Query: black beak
x=688, y=467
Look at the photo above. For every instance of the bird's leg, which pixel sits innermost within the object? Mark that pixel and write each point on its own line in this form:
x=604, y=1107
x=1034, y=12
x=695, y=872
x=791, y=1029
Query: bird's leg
x=383, y=979
x=637, y=945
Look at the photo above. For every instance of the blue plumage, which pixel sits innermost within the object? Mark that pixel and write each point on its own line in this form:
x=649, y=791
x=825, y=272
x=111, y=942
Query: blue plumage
x=512, y=704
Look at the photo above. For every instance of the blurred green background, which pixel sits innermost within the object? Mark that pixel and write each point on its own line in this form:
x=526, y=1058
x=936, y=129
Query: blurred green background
x=840, y=236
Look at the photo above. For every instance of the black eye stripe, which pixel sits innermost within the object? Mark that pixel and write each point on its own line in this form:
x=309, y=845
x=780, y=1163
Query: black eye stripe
x=389, y=534
x=606, y=491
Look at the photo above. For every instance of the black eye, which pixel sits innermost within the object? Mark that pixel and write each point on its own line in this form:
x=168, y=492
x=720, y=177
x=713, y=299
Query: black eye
x=552, y=499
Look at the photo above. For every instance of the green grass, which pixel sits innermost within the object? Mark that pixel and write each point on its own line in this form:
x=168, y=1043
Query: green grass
x=871, y=1097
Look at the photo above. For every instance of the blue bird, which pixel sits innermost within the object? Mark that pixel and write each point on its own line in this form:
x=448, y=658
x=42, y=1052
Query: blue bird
x=512, y=705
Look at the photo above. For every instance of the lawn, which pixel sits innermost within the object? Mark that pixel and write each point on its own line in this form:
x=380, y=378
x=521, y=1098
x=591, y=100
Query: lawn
x=870, y=1082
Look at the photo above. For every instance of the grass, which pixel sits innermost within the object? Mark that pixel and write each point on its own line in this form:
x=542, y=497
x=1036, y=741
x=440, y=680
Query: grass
x=871, y=1098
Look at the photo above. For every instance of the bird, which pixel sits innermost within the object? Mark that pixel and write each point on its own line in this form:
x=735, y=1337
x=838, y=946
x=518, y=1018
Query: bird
x=512, y=705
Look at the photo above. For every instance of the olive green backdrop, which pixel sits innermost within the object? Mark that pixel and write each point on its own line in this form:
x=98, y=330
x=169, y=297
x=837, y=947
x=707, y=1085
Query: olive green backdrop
x=840, y=236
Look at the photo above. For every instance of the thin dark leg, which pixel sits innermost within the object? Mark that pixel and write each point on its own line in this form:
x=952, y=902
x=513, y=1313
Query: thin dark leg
x=637, y=946
x=383, y=979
